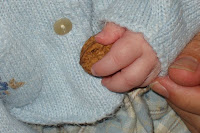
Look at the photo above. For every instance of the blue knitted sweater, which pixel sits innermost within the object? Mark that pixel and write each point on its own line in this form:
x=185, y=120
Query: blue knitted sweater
x=52, y=86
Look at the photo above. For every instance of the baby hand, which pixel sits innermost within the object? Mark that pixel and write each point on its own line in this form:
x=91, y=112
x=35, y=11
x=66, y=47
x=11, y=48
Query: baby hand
x=130, y=63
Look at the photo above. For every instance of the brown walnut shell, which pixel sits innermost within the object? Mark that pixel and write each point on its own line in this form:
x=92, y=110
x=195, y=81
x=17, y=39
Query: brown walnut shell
x=91, y=52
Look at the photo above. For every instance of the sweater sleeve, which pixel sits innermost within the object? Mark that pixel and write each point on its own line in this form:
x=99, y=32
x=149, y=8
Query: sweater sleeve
x=167, y=25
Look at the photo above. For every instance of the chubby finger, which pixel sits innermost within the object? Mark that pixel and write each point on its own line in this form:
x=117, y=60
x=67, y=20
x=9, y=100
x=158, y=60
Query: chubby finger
x=132, y=76
x=185, y=98
x=110, y=33
x=123, y=52
x=154, y=73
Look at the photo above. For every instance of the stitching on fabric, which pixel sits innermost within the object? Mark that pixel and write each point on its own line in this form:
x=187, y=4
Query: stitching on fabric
x=107, y=117
x=3, y=89
x=14, y=84
x=5, y=86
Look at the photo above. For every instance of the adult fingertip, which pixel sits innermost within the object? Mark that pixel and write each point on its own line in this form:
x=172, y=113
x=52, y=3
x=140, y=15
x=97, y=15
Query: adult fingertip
x=185, y=71
x=185, y=98
x=186, y=63
x=159, y=88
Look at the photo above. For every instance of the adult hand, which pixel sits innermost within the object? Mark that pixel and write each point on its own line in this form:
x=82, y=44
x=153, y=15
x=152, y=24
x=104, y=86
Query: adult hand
x=182, y=87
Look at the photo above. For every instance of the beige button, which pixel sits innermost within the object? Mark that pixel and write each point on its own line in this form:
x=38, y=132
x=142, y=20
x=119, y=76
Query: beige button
x=62, y=26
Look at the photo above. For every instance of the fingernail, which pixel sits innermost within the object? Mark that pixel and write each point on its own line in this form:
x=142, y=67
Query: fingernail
x=158, y=88
x=93, y=72
x=100, y=35
x=105, y=81
x=186, y=63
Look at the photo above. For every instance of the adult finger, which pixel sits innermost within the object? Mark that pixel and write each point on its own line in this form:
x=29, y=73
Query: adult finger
x=191, y=120
x=185, y=98
x=185, y=70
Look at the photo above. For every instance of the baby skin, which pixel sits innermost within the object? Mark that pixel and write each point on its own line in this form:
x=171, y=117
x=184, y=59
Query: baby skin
x=130, y=63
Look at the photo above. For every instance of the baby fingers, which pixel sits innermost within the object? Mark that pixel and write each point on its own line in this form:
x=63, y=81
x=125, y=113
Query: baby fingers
x=123, y=52
x=132, y=76
x=130, y=63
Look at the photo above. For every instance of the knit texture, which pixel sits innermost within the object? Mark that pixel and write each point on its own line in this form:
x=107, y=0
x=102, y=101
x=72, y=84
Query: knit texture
x=10, y=125
x=131, y=118
x=56, y=89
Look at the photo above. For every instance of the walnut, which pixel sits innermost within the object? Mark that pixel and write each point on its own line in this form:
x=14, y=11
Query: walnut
x=91, y=52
